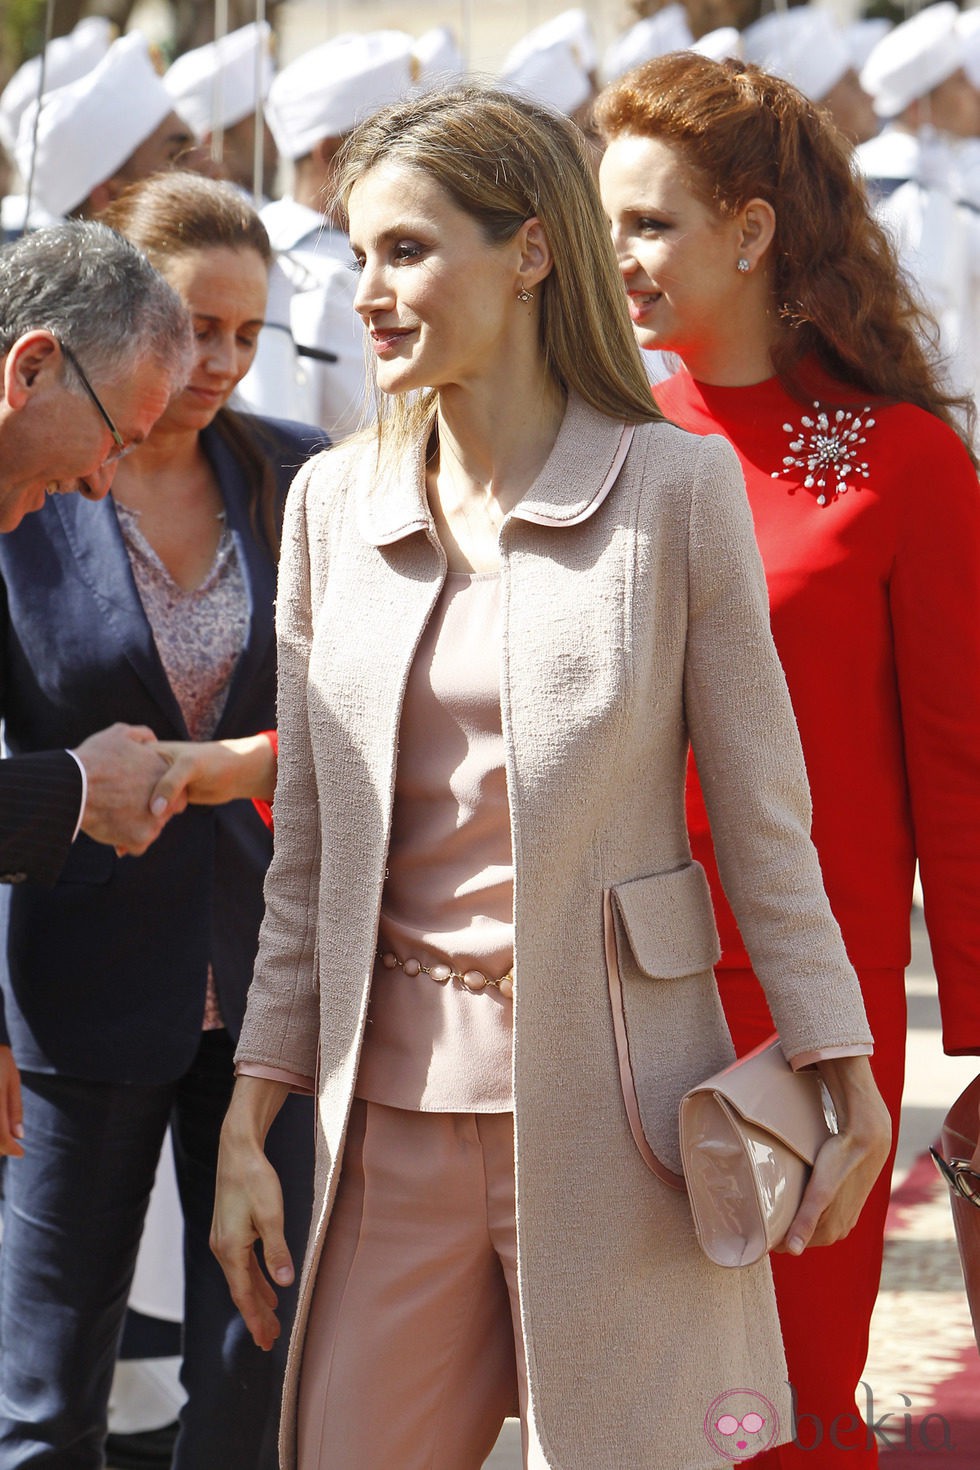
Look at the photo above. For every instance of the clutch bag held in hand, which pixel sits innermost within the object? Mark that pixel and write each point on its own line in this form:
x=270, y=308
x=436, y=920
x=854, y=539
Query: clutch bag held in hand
x=749, y=1136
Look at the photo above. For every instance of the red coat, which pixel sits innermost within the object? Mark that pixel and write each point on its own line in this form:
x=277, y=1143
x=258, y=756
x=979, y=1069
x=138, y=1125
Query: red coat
x=875, y=602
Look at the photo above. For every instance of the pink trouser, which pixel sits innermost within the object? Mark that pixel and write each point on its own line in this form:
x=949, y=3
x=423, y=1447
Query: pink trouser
x=413, y=1355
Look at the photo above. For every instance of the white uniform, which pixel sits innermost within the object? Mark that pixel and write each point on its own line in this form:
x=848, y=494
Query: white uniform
x=912, y=180
x=311, y=363
x=967, y=180
x=310, y=312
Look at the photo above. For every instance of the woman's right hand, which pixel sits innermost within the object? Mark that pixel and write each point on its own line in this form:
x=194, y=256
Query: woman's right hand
x=848, y=1163
x=248, y=1208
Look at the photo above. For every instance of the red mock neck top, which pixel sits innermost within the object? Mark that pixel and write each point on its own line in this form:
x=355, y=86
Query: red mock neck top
x=868, y=520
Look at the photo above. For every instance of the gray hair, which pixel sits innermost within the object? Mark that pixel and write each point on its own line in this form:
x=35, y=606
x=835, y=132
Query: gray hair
x=99, y=296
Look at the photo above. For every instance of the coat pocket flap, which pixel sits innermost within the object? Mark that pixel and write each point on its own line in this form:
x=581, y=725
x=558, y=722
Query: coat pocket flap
x=669, y=922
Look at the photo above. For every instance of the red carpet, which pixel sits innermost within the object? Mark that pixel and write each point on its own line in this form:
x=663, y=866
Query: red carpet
x=924, y=1367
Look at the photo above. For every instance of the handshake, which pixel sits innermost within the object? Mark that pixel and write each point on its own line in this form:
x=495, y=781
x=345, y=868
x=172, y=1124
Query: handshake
x=135, y=783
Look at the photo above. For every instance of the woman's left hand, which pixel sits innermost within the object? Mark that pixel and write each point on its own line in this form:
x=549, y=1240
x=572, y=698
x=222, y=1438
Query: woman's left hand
x=848, y=1163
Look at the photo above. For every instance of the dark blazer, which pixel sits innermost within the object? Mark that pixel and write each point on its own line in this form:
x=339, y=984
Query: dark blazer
x=40, y=803
x=107, y=970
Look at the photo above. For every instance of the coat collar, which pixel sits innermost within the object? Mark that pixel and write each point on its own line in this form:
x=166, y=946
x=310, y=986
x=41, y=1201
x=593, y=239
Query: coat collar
x=578, y=474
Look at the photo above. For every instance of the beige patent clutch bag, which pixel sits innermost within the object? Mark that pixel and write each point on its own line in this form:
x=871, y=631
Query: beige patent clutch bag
x=748, y=1138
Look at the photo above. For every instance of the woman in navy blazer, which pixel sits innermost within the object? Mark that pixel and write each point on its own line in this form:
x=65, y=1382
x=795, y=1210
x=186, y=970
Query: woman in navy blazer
x=114, y=973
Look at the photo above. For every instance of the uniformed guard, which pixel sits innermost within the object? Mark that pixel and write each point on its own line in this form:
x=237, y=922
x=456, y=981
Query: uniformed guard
x=66, y=59
x=919, y=88
x=310, y=362
x=806, y=47
x=99, y=134
x=217, y=88
x=654, y=35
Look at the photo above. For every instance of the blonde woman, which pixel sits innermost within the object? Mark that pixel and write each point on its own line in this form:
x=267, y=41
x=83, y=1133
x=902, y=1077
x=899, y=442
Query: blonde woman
x=500, y=622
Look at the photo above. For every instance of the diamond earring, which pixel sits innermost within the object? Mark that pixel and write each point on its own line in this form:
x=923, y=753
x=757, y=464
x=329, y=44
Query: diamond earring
x=525, y=295
x=742, y=265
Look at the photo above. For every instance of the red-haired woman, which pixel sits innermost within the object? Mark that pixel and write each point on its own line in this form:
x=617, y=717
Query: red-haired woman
x=747, y=248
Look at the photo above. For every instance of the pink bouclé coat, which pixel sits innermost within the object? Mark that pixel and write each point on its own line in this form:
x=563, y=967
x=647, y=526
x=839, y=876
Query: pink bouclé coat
x=635, y=620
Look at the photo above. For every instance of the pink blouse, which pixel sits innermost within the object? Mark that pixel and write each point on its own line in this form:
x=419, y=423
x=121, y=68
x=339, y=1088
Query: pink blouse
x=449, y=891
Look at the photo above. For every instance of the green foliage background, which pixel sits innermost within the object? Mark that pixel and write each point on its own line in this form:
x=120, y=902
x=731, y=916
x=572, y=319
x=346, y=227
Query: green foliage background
x=21, y=32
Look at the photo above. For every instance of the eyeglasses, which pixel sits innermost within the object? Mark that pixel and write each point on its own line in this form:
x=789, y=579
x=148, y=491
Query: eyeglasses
x=122, y=448
x=960, y=1176
x=729, y=1425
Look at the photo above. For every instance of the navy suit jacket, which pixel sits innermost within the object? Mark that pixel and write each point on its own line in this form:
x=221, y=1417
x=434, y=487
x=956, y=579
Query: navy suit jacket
x=40, y=804
x=107, y=970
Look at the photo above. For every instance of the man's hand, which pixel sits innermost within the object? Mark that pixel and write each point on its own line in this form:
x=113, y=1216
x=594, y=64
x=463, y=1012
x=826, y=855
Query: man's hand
x=122, y=768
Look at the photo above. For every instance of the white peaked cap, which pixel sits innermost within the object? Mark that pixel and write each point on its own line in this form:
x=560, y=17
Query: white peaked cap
x=552, y=75
x=571, y=26
x=862, y=36
x=912, y=59
x=88, y=129
x=326, y=92
x=437, y=60
x=666, y=30
x=217, y=85
x=968, y=26
x=720, y=45
x=802, y=45
x=68, y=58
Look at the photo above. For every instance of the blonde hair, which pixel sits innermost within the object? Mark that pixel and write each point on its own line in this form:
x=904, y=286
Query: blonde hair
x=503, y=160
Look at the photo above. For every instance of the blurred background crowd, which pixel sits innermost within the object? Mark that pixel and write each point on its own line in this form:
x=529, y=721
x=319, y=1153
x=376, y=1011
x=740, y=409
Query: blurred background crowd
x=263, y=95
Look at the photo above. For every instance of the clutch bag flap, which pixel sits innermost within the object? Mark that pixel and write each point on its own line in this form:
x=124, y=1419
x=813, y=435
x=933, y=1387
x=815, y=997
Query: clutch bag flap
x=748, y=1138
x=764, y=1090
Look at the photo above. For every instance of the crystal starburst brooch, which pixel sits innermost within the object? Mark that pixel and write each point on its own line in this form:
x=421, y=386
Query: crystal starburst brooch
x=826, y=447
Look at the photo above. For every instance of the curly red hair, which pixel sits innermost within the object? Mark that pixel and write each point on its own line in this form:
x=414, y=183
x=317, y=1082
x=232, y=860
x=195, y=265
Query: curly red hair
x=839, y=288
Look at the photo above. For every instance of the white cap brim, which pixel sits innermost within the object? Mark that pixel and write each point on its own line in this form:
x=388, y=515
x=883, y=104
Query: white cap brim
x=329, y=90
x=87, y=130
